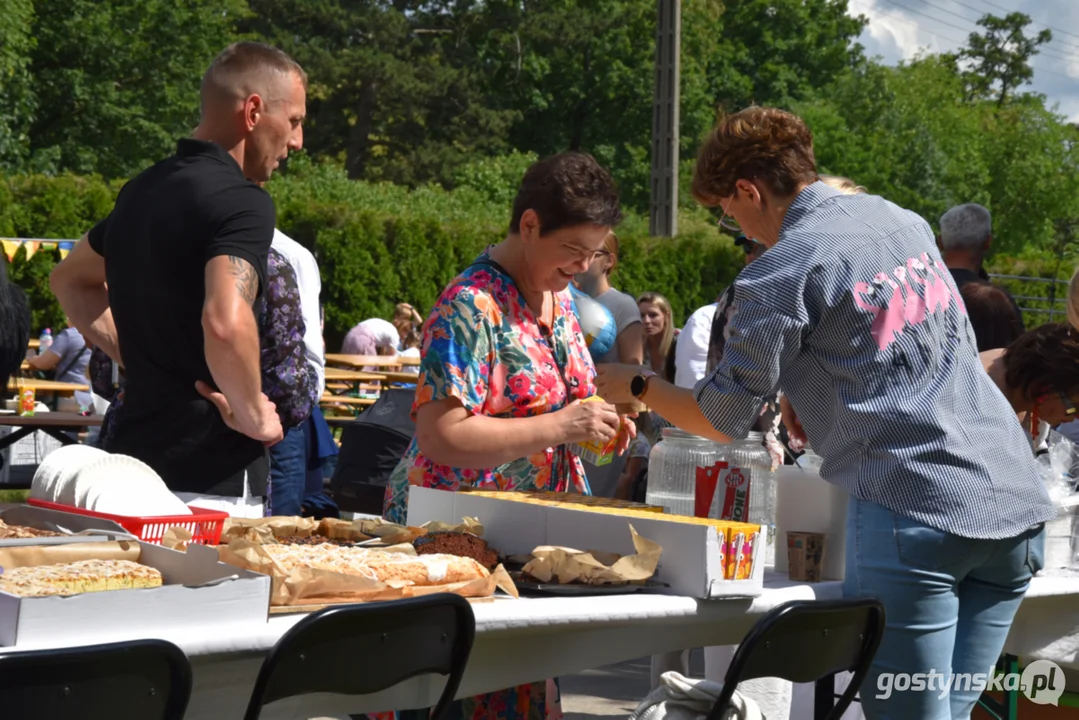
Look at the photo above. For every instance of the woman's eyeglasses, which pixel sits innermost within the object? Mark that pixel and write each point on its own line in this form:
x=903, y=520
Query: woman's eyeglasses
x=726, y=222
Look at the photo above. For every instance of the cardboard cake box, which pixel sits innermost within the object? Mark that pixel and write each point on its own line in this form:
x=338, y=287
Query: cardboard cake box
x=89, y=529
x=692, y=559
x=198, y=590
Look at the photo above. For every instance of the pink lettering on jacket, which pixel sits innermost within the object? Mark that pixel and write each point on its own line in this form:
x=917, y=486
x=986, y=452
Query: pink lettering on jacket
x=896, y=306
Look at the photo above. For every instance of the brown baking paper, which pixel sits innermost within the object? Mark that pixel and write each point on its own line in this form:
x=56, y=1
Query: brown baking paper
x=176, y=538
x=266, y=529
x=594, y=567
x=305, y=586
x=34, y=555
x=336, y=529
x=393, y=534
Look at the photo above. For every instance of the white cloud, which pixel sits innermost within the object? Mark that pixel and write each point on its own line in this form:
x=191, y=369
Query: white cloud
x=898, y=29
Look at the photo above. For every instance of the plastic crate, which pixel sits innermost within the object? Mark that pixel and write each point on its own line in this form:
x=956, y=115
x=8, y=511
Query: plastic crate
x=205, y=526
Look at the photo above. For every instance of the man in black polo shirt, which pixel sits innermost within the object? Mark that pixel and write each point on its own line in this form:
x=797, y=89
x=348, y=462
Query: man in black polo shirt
x=966, y=232
x=166, y=284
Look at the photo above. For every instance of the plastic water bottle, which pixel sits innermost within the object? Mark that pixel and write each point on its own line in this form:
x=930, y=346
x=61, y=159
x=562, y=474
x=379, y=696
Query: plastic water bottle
x=45, y=341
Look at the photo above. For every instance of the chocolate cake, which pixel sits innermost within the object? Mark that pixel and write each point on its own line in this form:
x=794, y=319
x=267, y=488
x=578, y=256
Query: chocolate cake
x=459, y=544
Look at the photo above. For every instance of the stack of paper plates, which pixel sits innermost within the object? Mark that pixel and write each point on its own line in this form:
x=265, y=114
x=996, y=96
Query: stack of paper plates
x=53, y=481
x=85, y=477
x=122, y=485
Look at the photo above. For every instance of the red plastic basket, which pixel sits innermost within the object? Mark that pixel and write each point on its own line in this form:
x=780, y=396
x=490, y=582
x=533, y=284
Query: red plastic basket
x=205, y=526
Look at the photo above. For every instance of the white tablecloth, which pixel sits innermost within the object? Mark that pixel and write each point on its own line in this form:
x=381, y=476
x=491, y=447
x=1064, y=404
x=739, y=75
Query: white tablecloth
x=519, y=641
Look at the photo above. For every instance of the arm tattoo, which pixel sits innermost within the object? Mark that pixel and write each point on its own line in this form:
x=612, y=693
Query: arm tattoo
x=247, y=282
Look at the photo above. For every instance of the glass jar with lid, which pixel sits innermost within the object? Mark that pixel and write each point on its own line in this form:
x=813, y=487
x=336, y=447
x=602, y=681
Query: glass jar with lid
x=673, y=467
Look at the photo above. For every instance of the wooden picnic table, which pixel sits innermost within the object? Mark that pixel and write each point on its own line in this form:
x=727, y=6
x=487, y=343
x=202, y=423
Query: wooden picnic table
x=361, y=361
x=338, y=375
x=46, y=386
x=35, y=343
x=329, y=399
x=54, y=424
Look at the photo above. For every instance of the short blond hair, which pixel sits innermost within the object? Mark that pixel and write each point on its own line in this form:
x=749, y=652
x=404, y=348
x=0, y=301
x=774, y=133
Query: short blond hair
x=246, y=68
x=843, y=184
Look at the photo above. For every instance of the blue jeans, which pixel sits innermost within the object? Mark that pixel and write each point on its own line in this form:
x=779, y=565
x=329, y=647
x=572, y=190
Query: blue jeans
x=949, y=601
x=288, y=473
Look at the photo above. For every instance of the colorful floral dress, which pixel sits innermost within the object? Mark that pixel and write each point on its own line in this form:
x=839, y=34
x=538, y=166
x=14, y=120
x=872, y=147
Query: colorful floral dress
x=483, y=346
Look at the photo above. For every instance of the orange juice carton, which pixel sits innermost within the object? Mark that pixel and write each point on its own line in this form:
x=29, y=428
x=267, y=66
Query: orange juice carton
x=598, y=454
x=26, y=402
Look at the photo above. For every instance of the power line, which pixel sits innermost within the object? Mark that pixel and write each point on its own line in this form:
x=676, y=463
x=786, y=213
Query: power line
x=963, y=29
x=1011, y=10
x=982, y=12
x=1062, y=51
x=950, y=39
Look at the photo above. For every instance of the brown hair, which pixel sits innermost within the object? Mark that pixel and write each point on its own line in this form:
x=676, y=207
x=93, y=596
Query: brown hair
x=612, y=248
x=403, y=325
x=565, y=190
x=763, y=143
x=245, y=68
x=992, y=315
x=1044, y=360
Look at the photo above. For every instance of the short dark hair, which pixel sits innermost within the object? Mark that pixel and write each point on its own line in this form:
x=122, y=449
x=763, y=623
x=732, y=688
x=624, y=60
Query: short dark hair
x=771, y=145
x=992, y=314
x=242, y=68
x=565, y=190
x=1044, y=360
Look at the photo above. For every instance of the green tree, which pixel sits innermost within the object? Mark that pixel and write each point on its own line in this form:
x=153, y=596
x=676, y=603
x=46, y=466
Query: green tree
x=117, y=82
x=1000, y=57
x=580, y=73
x=17, y=108
x=773, y=52
x=396, y=87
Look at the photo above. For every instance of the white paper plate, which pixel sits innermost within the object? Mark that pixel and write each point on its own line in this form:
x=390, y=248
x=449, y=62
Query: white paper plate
x=58, y=468
x=123, y=485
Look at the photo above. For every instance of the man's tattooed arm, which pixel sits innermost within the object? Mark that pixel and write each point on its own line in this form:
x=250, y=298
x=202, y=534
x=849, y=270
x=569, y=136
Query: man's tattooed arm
x=247, y=281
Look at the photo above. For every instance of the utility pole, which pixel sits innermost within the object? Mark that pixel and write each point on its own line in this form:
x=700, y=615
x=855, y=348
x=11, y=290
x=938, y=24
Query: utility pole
x=664, y=200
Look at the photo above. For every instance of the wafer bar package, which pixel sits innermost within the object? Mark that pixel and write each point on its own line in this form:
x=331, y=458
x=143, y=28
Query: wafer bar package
x=734, y=553
x=747, y=556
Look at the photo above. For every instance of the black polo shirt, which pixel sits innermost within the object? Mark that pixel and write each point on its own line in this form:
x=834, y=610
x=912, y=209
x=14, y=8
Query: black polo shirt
x=167, y=224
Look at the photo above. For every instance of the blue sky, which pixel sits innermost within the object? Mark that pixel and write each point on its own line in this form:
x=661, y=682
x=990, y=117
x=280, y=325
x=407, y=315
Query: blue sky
x=898, y=29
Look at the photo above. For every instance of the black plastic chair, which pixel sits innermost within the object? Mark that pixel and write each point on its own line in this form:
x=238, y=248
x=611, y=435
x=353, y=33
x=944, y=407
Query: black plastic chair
x=363, y=649
x=137, y=680
x=806, y=641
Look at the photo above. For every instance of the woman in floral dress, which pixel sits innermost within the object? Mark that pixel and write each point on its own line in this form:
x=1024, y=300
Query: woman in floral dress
x=505, y=366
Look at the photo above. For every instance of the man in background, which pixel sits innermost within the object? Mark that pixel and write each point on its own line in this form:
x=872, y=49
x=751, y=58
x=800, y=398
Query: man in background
x=166, y=286
x=67, y=358
x=966, y=233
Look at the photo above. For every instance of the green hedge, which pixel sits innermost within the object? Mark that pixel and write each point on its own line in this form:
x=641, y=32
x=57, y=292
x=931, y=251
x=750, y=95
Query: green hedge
x=377, y=244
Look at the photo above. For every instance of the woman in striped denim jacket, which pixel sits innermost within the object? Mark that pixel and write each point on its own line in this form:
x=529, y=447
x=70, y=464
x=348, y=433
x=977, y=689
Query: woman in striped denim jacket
x=852, y=314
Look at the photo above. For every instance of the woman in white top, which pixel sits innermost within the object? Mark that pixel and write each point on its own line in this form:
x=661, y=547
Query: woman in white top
x=382, y=337
x=629, y=343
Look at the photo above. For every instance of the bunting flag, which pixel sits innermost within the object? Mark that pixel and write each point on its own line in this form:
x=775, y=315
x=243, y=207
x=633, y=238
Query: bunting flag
x=10, y=246
x=32, y=246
